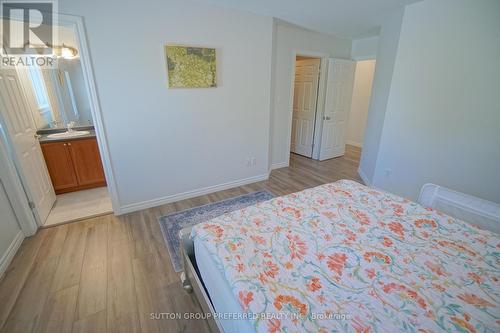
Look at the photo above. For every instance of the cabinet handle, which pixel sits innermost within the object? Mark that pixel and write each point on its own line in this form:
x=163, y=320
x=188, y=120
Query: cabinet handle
x=69, y=144
x=64, y=144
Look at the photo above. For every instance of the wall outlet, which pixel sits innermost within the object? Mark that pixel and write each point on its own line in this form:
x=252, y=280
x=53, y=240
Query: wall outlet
x=250, y=162
x=388, y=173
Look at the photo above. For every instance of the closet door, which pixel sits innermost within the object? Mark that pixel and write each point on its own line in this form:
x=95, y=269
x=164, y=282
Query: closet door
x=304, y=106
x=337, y=104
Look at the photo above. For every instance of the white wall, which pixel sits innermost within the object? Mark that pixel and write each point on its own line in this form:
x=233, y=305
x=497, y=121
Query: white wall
x=364, y=48
x=386, y=56
x=290, y=38
x=361, y=92
x=169, y=143
x=442, y=123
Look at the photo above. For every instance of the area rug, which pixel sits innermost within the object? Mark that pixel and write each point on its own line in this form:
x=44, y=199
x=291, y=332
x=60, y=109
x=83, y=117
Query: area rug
x=171, y=224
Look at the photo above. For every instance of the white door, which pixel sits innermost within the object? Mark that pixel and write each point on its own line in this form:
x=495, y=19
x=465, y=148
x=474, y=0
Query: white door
x=21, y=132
x=338, y=101
x=304, y=106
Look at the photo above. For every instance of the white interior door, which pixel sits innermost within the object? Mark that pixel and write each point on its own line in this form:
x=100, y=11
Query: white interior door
x=21, y=130
x=338, y=101
x=304, y=106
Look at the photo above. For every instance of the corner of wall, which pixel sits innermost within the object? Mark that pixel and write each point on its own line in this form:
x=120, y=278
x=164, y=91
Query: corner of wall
x=386, y=56
x=396, y=23
x=351, y=49
x=364, y=48
x=363, y=176
x=280, y=165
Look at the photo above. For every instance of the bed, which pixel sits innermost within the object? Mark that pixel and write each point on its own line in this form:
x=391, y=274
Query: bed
x=344, y=257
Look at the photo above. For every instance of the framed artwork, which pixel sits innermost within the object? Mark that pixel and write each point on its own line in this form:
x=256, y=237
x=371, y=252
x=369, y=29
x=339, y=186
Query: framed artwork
x=191, y=67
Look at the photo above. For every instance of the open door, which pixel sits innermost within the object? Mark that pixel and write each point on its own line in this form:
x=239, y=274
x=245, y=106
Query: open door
x=337, y=104
x=21, y=134
x=305, y=95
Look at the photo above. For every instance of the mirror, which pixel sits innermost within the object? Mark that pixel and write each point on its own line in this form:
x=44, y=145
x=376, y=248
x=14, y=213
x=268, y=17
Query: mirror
x=59, y=96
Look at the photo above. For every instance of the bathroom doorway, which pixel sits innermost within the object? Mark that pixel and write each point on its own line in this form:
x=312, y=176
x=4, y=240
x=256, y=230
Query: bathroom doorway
x=47, y=121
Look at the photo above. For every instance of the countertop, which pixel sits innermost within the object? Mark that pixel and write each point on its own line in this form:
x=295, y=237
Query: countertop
x=44, y=137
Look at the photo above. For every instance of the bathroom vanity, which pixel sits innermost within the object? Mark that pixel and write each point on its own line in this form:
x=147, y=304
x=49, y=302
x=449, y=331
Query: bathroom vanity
x=73, y=162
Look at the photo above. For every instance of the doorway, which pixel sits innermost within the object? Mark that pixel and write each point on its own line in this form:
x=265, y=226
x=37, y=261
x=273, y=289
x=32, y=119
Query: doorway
x=321, y=99
x=47, y=122
x=305, y=101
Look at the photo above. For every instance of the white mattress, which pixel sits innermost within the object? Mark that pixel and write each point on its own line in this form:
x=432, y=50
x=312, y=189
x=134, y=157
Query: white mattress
x=220, y=292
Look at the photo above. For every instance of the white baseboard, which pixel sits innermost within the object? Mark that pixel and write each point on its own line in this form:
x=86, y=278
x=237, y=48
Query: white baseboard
x=189, y=194
x=364, y=177
x=353, y=143
x=11, y=251
x=279, y=165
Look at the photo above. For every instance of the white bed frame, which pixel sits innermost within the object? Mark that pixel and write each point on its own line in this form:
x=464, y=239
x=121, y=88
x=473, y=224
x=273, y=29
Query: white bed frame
x=485, y=214
x=191, y=280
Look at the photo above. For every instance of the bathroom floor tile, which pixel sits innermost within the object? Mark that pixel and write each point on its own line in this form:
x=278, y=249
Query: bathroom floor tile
x=75, y=206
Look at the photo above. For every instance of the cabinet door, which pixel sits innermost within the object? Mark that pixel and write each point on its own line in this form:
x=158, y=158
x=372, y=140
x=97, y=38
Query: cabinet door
x=60, y=166
x=87, y=162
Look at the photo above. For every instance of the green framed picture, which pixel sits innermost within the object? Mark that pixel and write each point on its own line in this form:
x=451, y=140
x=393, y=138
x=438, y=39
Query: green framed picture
x=191, y=67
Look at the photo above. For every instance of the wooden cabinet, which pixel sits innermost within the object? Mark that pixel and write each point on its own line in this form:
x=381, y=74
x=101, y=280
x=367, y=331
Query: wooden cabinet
x=87, y=162
x=74, y=165
x=60, y=166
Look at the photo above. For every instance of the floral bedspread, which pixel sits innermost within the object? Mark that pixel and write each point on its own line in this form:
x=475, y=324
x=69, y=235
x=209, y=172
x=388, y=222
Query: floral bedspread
x=345, y=257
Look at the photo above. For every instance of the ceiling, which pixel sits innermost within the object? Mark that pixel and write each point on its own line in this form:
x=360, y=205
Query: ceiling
x=343, y=18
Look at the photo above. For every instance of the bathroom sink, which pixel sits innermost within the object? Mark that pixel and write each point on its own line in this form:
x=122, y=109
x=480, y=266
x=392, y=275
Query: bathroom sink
x=70, y=134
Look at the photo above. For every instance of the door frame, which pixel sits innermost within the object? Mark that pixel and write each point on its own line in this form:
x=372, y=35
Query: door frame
x=320, y=104
x=20, y=197
x=95, y=109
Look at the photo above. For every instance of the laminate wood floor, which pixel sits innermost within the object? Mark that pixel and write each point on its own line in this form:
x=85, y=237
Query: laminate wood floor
x=108, y=274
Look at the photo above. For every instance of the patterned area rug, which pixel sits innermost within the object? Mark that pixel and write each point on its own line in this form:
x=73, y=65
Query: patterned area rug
x=173, y=223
